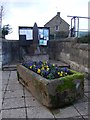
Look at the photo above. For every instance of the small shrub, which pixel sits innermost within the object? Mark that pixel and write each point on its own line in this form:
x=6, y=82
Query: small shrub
x=84, y=39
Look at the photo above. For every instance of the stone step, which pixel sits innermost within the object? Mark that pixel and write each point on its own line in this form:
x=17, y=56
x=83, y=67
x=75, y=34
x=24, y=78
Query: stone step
x=9, y=67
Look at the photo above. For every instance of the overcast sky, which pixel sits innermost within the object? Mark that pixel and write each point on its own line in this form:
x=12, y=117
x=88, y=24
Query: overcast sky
x=27, y=12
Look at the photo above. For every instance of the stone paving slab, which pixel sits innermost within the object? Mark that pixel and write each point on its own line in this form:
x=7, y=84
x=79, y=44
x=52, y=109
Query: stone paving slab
x=14, y=94
x=4, y=81
x=4, y=87
x=13, y=103
x=39, y=112
x=3, y=93
x=14, y=113
x=82, y=108
x=13, y=75
x=65, y=112
x=13, y=81
x=86, y=116
x=86, y=88
x=32, y=102
x=86, y=94
x=0, y=115
x=27, y=93
x=0, y=94
x=12, y=87
x=5, y=75
x=18, y=102
x=0, y=103
x=84, y=99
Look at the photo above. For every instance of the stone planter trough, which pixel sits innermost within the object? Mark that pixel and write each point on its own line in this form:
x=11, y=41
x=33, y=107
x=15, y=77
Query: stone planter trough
x=52, y=93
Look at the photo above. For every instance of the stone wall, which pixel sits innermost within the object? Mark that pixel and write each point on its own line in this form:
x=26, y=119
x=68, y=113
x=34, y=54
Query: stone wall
x=71, y=52
x=10, y=51
x=0, y=53
x=13, y=52
x=66, y=50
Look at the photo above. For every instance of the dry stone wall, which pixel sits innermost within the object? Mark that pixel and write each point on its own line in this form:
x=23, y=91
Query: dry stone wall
x=66, y=50
x=71, y=52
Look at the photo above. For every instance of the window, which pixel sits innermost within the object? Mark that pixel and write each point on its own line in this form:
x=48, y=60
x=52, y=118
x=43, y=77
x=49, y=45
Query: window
x=57, y=28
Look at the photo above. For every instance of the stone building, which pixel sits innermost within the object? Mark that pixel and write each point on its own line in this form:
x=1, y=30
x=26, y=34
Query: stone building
x=58, y=26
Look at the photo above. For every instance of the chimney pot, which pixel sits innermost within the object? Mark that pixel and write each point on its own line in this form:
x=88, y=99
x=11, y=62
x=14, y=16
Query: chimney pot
x=58, y=14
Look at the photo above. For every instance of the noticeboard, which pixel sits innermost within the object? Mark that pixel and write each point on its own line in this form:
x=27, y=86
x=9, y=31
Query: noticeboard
x=26, y=35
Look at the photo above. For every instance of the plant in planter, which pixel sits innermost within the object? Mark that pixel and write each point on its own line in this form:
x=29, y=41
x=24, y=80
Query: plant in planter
x=47, y=70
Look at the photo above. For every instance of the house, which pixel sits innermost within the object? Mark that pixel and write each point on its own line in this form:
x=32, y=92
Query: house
x=58, y=26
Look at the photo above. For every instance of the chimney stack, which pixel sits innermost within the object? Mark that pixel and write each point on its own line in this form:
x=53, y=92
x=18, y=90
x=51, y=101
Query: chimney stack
x=58, y=14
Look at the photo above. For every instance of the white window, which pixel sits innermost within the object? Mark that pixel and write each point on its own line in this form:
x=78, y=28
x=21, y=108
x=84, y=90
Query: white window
x=57, y=28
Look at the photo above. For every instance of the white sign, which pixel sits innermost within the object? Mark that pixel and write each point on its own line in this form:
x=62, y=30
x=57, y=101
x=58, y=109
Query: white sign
x=28, y=33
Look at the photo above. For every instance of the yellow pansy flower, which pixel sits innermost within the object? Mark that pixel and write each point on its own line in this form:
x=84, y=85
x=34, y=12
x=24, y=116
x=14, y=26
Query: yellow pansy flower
x=58, y=73
x=46, y=66
x=53, y=64
x=42, y=68
x=34, y=65
x=47, y=69
x=30, y=67
x=38, y=71
x=61, y=71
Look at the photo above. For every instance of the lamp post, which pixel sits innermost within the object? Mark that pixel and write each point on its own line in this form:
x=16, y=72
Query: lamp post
x=1, y=9
x=1, y=16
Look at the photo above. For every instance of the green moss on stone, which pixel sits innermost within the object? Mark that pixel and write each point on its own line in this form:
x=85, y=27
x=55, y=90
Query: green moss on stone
x=68, y=81
x=66, y=85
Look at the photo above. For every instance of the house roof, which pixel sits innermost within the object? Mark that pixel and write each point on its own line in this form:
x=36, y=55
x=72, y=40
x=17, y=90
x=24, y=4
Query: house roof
x=54, y=17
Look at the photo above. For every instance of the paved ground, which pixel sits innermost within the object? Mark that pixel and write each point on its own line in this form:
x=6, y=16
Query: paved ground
x=17, y=102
